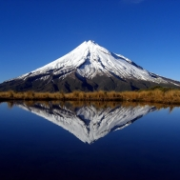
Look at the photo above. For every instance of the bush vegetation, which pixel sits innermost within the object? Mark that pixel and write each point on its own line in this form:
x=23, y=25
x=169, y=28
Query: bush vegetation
x=159, y=95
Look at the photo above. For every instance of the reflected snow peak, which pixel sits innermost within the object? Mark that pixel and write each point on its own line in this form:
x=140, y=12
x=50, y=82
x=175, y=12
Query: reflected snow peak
x=89, y=123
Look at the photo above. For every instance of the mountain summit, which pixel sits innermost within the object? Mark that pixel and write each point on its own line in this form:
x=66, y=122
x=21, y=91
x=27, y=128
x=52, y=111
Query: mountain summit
x=88, y=67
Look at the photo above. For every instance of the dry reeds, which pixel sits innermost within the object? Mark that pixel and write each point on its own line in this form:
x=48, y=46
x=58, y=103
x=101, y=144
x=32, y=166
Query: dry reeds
x=155, y=95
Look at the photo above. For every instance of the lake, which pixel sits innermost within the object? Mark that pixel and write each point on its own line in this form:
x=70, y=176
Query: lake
x=55, y=140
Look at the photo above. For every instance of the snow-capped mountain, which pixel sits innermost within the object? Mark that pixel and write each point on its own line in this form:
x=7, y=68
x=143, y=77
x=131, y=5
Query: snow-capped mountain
x=89, y=60
x=88, y=67
x=88, y=123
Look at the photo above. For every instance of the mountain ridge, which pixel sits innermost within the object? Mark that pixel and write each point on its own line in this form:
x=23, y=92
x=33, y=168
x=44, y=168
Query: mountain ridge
x=85, y=68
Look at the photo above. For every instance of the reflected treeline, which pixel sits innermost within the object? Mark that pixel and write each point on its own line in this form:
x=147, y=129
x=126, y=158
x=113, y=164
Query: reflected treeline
x=88, y=121
x=97, y=104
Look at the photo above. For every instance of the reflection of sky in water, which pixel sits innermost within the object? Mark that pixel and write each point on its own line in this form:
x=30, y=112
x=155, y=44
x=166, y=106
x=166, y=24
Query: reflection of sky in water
x=147, y=149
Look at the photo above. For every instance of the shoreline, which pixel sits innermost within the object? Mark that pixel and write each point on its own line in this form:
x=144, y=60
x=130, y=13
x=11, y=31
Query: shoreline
x=164, y=96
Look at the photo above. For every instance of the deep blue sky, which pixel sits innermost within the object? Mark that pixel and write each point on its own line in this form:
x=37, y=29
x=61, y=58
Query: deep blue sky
x=36, y=32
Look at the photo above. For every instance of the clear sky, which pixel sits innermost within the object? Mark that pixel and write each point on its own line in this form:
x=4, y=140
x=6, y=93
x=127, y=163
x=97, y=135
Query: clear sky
x=36, y=32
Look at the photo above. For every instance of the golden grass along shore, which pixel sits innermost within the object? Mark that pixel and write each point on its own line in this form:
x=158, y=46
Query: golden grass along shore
x=157, y=95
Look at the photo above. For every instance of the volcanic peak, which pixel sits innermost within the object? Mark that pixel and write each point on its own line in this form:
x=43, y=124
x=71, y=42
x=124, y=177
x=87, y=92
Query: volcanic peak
x=88, y=67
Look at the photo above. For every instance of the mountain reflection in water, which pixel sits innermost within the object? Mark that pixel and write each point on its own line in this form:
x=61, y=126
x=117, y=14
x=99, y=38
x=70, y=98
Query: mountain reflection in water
x=88, y=123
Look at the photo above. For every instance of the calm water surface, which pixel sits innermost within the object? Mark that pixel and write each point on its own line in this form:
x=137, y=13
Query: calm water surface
x=41, y=141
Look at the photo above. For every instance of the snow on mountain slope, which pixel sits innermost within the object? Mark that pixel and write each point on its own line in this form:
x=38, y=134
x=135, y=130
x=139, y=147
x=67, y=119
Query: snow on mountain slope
x=88, y=123
x=89, y=60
